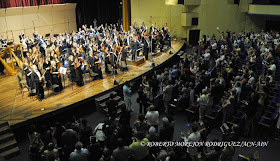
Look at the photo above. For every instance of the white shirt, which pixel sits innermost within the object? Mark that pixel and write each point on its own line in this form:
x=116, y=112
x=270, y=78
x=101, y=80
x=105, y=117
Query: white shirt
x=38, y=74
x=206, y=56
x=272, y=67
x=99, y=134
x=214, y=46
x=152, y=117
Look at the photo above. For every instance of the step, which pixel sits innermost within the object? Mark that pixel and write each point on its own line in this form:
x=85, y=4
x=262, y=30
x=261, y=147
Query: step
x=6, y=137
x=4, y=130
x=118, y=111
x=4, y=124
x=117, y=98
x=120, y=103
x=8, y=145
x=10, y=153
x=105, y=97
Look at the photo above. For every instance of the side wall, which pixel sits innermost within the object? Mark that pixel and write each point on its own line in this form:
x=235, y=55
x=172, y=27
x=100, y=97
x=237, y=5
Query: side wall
x=45, y=19
x=211, y=14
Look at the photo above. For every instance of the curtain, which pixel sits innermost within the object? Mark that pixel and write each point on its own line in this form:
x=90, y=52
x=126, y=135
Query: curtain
x=22, y=3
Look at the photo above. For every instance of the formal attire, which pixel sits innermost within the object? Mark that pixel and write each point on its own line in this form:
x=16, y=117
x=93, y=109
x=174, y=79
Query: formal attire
x=79, y=76
x=56, y=80
x=134, y=47
x=37, y=83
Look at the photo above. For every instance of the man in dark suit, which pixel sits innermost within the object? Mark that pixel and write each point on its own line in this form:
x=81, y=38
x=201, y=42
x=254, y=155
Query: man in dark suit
x=69, y=139
x=161, y=37
x=37, y=80
x=134, y=47
x=146, y=47
x=111, y=104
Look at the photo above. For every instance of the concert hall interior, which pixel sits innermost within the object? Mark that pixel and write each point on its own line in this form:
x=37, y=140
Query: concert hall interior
x=139, y=80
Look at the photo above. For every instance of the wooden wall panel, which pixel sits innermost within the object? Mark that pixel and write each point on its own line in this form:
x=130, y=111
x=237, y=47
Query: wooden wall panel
x=52, y=19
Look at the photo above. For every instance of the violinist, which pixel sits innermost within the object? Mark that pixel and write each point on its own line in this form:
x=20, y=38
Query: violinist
x=37, y=79
x=47, y=66
x=97, y=66
x=55, y=79
x=134, y=47
x=71, y=66
x=27, y=72
x=79, y=72
x=107, y=57
x=146, y=47
x=123, y=58
x=161, y=40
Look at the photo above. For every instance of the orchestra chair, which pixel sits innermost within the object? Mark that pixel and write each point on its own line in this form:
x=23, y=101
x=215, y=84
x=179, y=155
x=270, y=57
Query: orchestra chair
x=22, y=75
x=52, y=87
x=85, y=75
x=21, y=87
x=92, y=74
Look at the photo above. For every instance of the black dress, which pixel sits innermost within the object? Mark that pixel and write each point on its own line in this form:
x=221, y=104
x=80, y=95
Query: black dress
x=96, y=68
x=56, y=80
x=28, y=78
x=79, y=76
x=72, y=71
x=48, y=75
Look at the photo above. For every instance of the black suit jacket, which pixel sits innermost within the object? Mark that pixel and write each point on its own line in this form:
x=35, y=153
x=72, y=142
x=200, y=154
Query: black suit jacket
x=34, y=77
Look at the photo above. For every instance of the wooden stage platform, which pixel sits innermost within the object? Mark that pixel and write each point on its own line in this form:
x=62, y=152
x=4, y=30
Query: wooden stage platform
x=16, y=110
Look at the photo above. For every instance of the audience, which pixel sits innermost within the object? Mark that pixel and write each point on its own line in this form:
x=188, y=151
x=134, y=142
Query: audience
x=226, y=73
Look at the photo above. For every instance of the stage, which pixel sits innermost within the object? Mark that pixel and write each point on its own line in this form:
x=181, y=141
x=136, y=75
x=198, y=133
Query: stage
x=16, y=110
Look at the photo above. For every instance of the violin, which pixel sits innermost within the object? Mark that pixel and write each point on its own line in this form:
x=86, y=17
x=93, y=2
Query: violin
x=77, y=64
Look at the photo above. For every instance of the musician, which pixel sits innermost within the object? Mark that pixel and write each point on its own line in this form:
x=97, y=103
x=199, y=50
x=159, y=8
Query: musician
x=78, y=72
x=97, y=67
x=146, y=47
x=37, y=80
x=46, y=66
x=27, y=72
x=3, y=41
x=152, y=29
x=161, y=40
x=107, y=61
x=1, y=68
x=123, y=58
x=134, y=47
x=114, y=61
x=21, y=37
x=71, y=65
x=56, y=77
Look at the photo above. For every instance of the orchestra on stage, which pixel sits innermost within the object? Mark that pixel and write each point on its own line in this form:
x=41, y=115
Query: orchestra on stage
x=50, y=59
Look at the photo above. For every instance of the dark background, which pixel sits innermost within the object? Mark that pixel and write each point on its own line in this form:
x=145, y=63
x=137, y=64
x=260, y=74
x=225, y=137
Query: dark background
x=104, y=11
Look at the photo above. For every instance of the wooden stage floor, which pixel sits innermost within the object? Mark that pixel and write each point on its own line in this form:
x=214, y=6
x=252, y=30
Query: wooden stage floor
x=14, y=109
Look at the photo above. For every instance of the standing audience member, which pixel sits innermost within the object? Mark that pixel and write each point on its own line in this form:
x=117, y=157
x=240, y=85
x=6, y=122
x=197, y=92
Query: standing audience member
x=79, y=154
x=126, y=96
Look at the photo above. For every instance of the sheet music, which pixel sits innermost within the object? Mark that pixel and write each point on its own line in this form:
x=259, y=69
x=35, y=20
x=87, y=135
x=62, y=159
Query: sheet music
x=62, y=70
